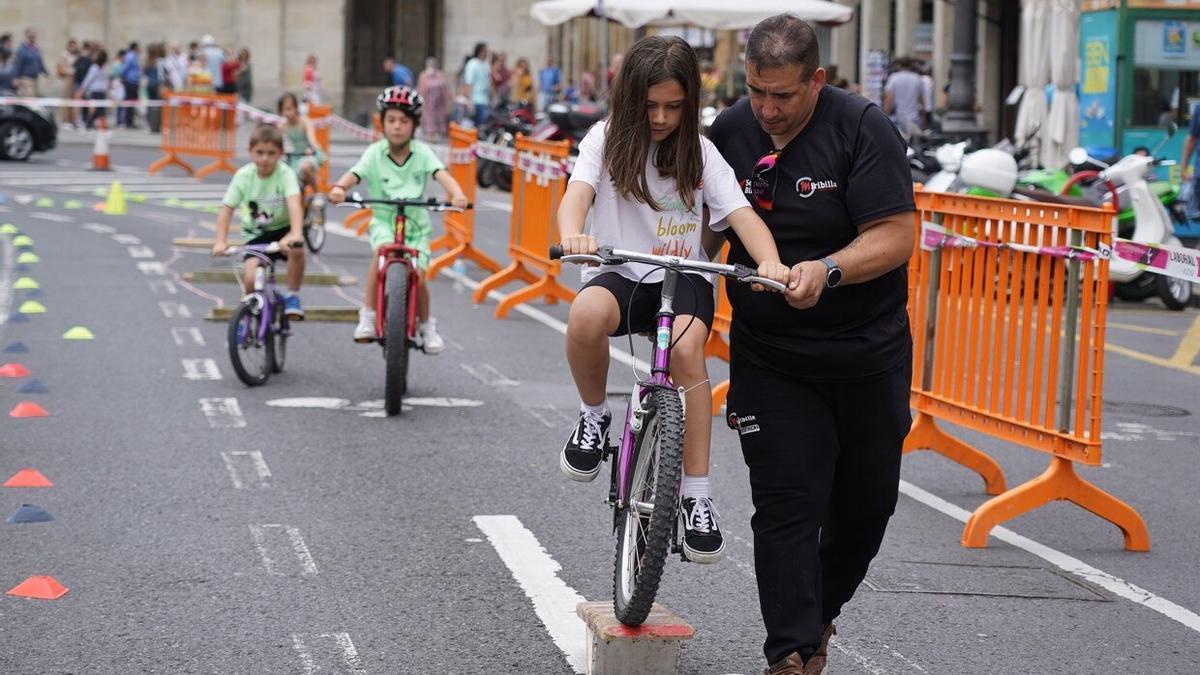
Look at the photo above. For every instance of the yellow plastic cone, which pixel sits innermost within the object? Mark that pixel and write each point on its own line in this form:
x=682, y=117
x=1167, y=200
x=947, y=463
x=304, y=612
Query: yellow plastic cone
x=22, y=240
x=8, y=228
x=28, y=257
x=115, y=206
x=79, y=333
x=25, y=283
x=32, y=307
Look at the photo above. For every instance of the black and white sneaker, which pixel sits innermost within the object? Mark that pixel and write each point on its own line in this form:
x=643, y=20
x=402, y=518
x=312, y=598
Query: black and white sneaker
x=702, y=540
x=584, y=451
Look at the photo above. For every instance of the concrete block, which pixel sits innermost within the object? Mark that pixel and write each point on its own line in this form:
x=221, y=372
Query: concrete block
x=653, y=648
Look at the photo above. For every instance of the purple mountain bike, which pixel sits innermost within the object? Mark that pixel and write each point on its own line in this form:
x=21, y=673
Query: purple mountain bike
x=648, y=466
x=259, y=327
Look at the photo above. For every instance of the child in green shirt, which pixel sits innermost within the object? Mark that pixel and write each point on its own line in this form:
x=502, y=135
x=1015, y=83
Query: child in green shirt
x=269, y=193
x=397, y=167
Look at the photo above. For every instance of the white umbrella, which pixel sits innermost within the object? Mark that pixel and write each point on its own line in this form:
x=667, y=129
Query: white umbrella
x=1035, y=72
x=714, y=14
x=1061, y=132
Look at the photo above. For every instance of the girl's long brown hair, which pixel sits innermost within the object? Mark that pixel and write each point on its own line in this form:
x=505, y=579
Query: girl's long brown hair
x=651, y=61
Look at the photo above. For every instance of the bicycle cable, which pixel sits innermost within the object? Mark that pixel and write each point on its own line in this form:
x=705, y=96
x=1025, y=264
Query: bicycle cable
x=629, y=314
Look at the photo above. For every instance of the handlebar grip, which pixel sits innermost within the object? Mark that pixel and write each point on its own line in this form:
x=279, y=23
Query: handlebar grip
x=556, y=251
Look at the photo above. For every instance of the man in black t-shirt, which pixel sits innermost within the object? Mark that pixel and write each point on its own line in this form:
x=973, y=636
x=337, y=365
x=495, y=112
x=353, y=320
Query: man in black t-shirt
x=820, y=375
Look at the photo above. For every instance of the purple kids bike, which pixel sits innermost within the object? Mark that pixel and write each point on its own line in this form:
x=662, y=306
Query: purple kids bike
x=648, y=466
x=259, y=328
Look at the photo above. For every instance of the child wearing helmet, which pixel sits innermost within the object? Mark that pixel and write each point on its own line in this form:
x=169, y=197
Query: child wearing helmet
x=397, y=167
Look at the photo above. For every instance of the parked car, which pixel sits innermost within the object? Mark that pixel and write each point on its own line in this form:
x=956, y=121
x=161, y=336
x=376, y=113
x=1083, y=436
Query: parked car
x=25, y=130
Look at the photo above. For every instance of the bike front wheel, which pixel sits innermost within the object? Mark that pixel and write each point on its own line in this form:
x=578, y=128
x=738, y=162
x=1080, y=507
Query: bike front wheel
x=395, y=345
x=645, y=526
x=278, y=339
x=252, y=360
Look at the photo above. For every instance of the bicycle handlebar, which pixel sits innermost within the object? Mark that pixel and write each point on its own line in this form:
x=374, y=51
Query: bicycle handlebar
x=272, y=247
x=356, y=201
x=607, y=255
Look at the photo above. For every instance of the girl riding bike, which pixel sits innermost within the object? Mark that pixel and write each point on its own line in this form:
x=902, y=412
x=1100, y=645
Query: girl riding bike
x=303, y=152
x=650, y=177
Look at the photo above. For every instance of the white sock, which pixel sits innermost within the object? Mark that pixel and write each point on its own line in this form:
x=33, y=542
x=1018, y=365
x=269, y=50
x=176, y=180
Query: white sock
x=597, y=410
x=695, y=487
x=364, y=314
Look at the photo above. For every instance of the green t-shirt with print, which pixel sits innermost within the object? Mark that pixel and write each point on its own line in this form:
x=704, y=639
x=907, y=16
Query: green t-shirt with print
x=380, y=177
x=263, y=200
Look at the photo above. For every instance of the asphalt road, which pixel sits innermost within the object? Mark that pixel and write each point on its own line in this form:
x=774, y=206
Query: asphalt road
x=206, y=527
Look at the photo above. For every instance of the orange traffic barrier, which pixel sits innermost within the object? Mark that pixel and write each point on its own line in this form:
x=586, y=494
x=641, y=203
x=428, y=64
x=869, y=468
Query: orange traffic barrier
x=318, y=111
x=539, y=180
x=718, y=345
x=199, y=124
x=1008, y=341
x=460, y=227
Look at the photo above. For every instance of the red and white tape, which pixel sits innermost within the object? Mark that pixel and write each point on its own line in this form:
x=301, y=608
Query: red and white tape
x=1172, y=261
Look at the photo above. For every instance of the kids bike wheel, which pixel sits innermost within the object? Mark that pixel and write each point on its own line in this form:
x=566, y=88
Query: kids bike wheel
x=395, y=345
x=646, y=524
x=252, y=360
x=279, y=338
x=314, y=223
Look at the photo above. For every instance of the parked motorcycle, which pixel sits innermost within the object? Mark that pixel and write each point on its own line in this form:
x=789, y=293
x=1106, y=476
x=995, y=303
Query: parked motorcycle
x=506, y=121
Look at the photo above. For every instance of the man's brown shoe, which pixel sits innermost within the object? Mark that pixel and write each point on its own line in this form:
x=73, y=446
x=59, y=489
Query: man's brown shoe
x=788, y=665
x=816, y=664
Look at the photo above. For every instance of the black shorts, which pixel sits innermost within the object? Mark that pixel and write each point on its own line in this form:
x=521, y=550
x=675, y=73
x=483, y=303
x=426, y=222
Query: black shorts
x=695, y=298
x=266, y=238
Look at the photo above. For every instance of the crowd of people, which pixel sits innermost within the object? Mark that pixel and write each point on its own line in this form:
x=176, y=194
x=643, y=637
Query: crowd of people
x=89, y=70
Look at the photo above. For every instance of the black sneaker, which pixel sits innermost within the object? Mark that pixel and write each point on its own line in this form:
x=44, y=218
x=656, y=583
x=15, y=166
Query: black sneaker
x=702, y=540
x=584, y=451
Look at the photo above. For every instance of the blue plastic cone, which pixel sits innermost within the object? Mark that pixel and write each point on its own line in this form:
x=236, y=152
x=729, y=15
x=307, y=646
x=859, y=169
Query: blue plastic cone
x=16, y=348
x=17, y=317
x=28, y=513
x=34, y=386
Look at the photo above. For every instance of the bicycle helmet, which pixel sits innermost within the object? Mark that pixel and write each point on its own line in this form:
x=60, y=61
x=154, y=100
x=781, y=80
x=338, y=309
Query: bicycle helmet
x=401, y=98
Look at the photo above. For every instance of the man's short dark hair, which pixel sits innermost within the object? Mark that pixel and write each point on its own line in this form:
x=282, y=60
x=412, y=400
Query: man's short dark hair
x=480, y=48
x=783, y=40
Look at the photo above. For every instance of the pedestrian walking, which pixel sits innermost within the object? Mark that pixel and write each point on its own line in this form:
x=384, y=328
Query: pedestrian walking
x=177, y=68
x=156, y=76
x=95, y=85
x=245, y=78
x=549, y=84
x=312, y=80
x=904, y=98
x=522, y=82
x=819, y=376
x=64, y=69
x=477, y=84
x=398, y=73
x=6, y=63
x=501, y=78
x=83, y=62
x=229, y=73
x=433, y=86
x=28, y=65
x=131, y=79
x=214, y=58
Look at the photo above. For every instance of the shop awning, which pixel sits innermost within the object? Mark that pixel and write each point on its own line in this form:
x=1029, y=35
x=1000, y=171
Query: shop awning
x=713, y=14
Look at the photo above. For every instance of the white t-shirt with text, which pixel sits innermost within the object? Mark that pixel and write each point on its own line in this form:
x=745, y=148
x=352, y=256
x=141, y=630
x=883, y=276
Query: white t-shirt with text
x=634, y=226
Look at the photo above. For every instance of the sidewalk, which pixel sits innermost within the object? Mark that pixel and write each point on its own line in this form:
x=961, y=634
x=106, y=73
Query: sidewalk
x=343, y=144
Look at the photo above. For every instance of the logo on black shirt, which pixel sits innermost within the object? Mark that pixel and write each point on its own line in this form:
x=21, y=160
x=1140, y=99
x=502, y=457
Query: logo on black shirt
x=807, y=187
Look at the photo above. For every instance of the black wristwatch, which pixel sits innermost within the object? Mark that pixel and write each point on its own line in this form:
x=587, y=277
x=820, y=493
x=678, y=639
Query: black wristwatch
x=833, y=275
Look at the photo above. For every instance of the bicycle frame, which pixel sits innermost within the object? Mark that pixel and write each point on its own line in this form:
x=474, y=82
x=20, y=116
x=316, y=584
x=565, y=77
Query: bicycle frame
x=396, y=253
x=659, y=378
x=267, y=297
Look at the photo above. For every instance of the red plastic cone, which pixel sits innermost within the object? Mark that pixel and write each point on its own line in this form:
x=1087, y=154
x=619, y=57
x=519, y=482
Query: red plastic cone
x=13, y=370
x=41, y=588
x=28, y=478
x=28, y=409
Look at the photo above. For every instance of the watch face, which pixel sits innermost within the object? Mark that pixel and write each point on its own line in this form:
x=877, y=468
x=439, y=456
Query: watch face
x=834, y=278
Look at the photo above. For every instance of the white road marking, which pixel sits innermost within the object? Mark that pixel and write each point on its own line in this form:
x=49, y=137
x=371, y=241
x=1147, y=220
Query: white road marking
x=10, y=254
x=863, y=661
x=487, y=374
x=163, y=287
x=140, y=252
x=126, y=239
x=537, y=574
x=349, y=655
x=201, y=369
x=1064, y=562
x=187, y=335
x=55, y=217
x=310, y=402
x=308, y=566
x=99, y=229
x=172, y=309
x=1137, y=432
x=222, y=413
x=152, y=269
x=261, y=470
x=23, y=200
x=444, y=402
x=499, y=206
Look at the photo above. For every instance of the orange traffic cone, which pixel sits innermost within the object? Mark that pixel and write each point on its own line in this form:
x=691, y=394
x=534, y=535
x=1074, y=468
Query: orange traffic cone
x=28, y=409
x=27, y=478
x=39, y=588
x=100, y=149
x=13, y=370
